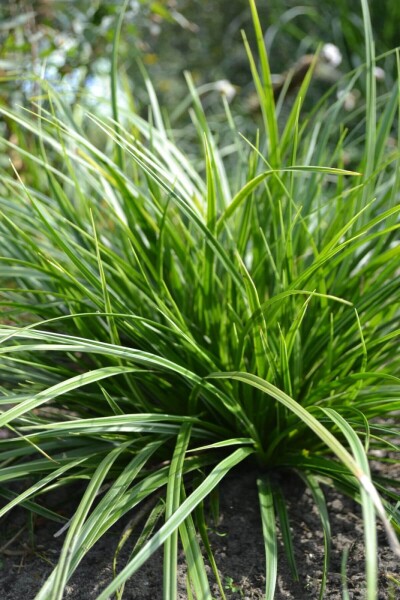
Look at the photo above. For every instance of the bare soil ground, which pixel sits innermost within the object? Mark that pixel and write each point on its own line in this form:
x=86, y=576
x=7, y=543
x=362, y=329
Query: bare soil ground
x=237, y=543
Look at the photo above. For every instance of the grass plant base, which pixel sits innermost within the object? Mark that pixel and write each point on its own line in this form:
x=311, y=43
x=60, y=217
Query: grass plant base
x=238, y=548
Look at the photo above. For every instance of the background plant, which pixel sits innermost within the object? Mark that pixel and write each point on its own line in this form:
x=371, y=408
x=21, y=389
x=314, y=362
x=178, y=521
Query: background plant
x=71, y=42
x=166, y=320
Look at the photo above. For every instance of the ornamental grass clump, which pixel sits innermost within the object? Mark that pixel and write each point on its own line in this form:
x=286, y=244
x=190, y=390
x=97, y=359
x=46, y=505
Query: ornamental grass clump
x=167, y=319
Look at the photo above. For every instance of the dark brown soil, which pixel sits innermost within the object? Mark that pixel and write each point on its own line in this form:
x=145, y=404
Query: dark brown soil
x=238, y=548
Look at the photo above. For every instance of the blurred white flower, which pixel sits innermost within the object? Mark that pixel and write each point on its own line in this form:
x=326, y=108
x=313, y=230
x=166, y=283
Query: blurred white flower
x=331, y=54
x=225, y=87
x=349, y=98
x=379, y=74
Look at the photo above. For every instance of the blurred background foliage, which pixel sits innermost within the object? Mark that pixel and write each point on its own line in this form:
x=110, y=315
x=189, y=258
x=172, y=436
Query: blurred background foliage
x=69, y=42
